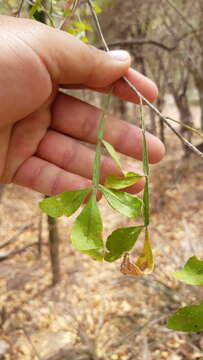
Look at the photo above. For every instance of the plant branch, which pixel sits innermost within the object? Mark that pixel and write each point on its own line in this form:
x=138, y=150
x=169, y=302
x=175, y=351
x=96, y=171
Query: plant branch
x=31, y=343
x=94, y=15
x=185, y=20
x=138, y=93
x=140, y=42
x=14, y=236
x=18, y=12
x=69, y=16
x=8, y=254
x=195, y=131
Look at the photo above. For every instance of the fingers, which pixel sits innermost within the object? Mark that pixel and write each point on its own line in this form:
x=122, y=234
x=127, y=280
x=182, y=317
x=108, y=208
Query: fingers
x=144, y=85
x=121, y=90
x=80, y=120
x=47, y=178
x=76, y=158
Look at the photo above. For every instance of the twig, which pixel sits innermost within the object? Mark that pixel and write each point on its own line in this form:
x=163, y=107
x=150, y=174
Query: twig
x=138, y=329
x=8, y=254
x=164, y=118
x=196, y=131
x=18, y=12
x=137, y=92
x=31, y=343
x=141, y=42
x=69, y=16
x=94, y=15
x=14, y=236
x=153, y=42
x=40, y=234
x=185, y=20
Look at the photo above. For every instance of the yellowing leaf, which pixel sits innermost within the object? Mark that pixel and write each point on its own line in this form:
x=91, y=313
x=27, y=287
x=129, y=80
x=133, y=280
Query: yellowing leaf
x=127, y=268
x=145, y=261
x=143, y=265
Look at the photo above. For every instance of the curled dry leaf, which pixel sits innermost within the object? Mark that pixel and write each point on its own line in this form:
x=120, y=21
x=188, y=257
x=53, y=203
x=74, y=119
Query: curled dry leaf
x=127, y=268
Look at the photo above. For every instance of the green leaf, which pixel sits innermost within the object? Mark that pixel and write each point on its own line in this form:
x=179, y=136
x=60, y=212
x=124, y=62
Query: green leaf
x=121, y=240
x=97, y=8
x=86, y=231
x=113, y=181
x=146, y=203
x=111, y=257
x=191, y=273
x=123, y=202
x=112, y=152
x=64, y=204
x=187, y=319
x=81, y=26
x=145, y=261
x=96, y=254
x=34, y=8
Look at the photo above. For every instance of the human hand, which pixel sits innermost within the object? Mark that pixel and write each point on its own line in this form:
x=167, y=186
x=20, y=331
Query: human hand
x=41, y=128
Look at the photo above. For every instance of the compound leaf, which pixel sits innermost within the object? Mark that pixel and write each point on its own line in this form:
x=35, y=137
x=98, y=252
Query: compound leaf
x=64, y=204
x=191, y=273
x=86, y=231
x=187, y=319
x=123, y=202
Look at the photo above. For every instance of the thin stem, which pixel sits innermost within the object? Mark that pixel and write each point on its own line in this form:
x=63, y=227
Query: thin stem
x=195, y=131
x=137, y=92
x=91, y=6
x=163, y=117
x=47, y=13
x=146, y=206
x=145, y=147
x=69, y=16
x=96, y=169
x=184, y=18
x=31, y=343
x=20, y=8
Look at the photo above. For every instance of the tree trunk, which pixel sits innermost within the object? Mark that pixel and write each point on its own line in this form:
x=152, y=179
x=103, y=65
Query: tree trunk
x=2, y=188
x=199, y=86
x=54, y=249
x=185, y=116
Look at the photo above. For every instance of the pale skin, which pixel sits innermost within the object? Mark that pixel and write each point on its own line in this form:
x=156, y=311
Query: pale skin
x=40, y=128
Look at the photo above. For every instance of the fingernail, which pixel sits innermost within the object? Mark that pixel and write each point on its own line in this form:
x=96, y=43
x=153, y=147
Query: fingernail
x=119, y=55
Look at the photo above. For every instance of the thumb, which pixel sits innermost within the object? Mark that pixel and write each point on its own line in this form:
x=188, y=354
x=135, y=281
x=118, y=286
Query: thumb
x=69, y=60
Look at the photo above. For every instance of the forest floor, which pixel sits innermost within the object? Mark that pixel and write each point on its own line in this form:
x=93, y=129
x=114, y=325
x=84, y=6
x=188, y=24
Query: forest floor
x=96, y=312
